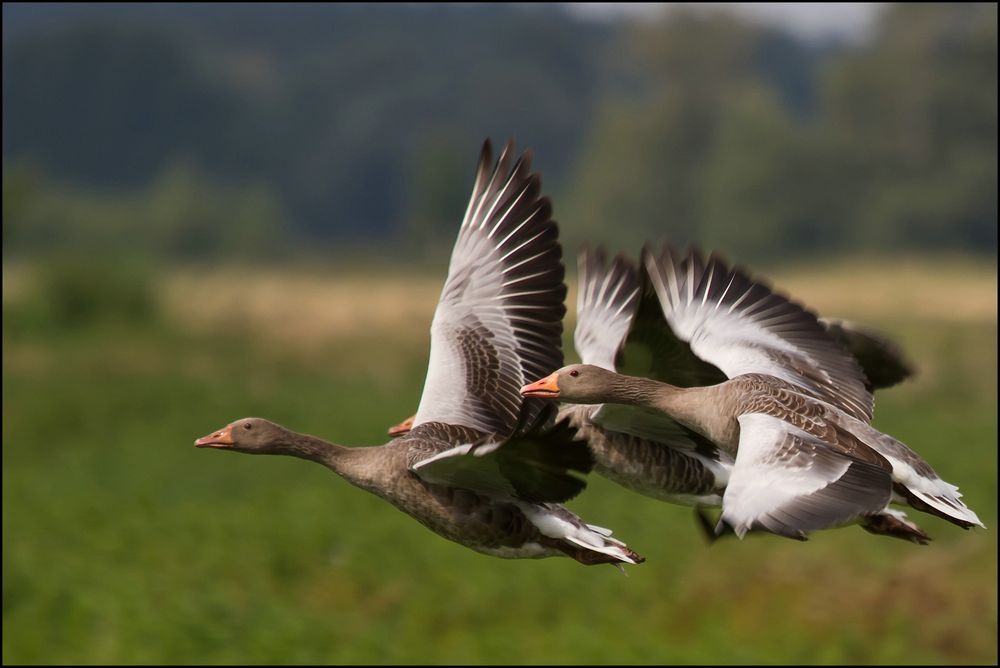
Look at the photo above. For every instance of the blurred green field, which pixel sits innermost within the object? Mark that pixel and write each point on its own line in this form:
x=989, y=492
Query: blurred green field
x=122, y=543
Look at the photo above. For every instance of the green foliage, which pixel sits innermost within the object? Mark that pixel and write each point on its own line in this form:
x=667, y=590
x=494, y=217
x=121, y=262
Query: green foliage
x=75, y=292
x=190, y=131
x=901, y=152
x=185, y=215
x=746, y=177
x=923, y=146
x=694, y=147
x=439, y=190
x=325, y=104
x=182, y=213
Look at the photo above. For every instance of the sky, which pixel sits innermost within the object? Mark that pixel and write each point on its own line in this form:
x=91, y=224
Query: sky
x=819, y=20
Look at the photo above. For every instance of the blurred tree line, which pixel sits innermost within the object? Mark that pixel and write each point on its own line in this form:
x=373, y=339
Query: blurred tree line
x=197, y=130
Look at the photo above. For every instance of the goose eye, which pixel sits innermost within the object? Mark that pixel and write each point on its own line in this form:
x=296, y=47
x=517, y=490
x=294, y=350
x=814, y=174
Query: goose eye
x=247, y=426
x=574, y=373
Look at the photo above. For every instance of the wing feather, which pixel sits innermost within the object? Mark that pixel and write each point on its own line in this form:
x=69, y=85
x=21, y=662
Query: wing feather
x=882, y=359
x=607, y=300
x=498, y=323
x=789, y=482
x=744, y=328
x=542, y=461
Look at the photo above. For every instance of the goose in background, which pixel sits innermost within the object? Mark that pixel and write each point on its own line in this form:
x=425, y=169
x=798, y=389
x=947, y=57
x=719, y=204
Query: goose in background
x=482, y=466
x=762, y=407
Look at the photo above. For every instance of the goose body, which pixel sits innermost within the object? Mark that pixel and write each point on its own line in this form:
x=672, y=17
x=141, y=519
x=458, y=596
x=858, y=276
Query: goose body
x=764, y=407
x=682, y=476
x=482, y=466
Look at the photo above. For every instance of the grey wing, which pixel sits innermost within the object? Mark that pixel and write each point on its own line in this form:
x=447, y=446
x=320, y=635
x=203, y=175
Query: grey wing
x=741, y=326
x=620, y=325
x=498, y=324
x=653, y=350
x=607, y=299
x=789, y=482
x=540, y=463
x=881, y=358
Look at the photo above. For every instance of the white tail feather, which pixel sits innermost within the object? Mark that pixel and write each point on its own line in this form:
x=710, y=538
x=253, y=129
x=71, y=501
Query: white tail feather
x=610, y=550
x=950, y=506
x=566, y=526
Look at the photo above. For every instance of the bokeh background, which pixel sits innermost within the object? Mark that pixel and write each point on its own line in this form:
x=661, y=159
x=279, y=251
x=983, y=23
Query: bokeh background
x=213, y=211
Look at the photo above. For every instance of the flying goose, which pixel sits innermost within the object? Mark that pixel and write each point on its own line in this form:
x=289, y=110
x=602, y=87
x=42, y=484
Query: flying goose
x=773, y=405
x=482, y=466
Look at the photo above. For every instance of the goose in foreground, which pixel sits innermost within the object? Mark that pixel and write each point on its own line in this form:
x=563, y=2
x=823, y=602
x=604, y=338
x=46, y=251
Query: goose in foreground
x=748, y=376
x=482, y=466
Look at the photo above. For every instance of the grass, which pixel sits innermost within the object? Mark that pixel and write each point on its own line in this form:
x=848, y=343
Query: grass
x=122, y=543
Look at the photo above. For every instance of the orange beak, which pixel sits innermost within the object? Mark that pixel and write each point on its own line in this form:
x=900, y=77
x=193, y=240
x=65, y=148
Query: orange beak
x=403, y=427
x=546, y=387
x=219, y=439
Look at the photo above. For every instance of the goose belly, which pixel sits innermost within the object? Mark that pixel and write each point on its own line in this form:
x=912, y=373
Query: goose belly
x=660, y=471
x=529, y=550
x=491, y=526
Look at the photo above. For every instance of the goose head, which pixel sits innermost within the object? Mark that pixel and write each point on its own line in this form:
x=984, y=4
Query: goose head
x=576, y=383
x=249, y=435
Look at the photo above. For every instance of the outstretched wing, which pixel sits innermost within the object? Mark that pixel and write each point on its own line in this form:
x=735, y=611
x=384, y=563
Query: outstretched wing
x=741, y=326
x=498, y=323
x=789, y=482
x=620, y=325
x=606, y=304
x=540, y=462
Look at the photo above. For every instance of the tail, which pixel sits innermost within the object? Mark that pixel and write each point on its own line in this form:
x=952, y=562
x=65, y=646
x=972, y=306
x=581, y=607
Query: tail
x=915, y=480
x=596, y=546
x=942, y=500
x=589, y=555
x=587, y=543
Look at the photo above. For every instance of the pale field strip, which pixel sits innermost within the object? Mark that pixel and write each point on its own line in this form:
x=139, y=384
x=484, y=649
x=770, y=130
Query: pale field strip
x=950, y=290
x=307, y=306
x=311, y=307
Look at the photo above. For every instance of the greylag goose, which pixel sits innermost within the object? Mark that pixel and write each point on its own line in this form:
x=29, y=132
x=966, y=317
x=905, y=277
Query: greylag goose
x=482, y=466
x=753, y=388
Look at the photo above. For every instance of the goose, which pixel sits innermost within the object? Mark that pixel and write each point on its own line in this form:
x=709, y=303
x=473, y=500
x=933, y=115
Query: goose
x=482, y=465
x=752, y=387
x=616, y=311
x=619, y=322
